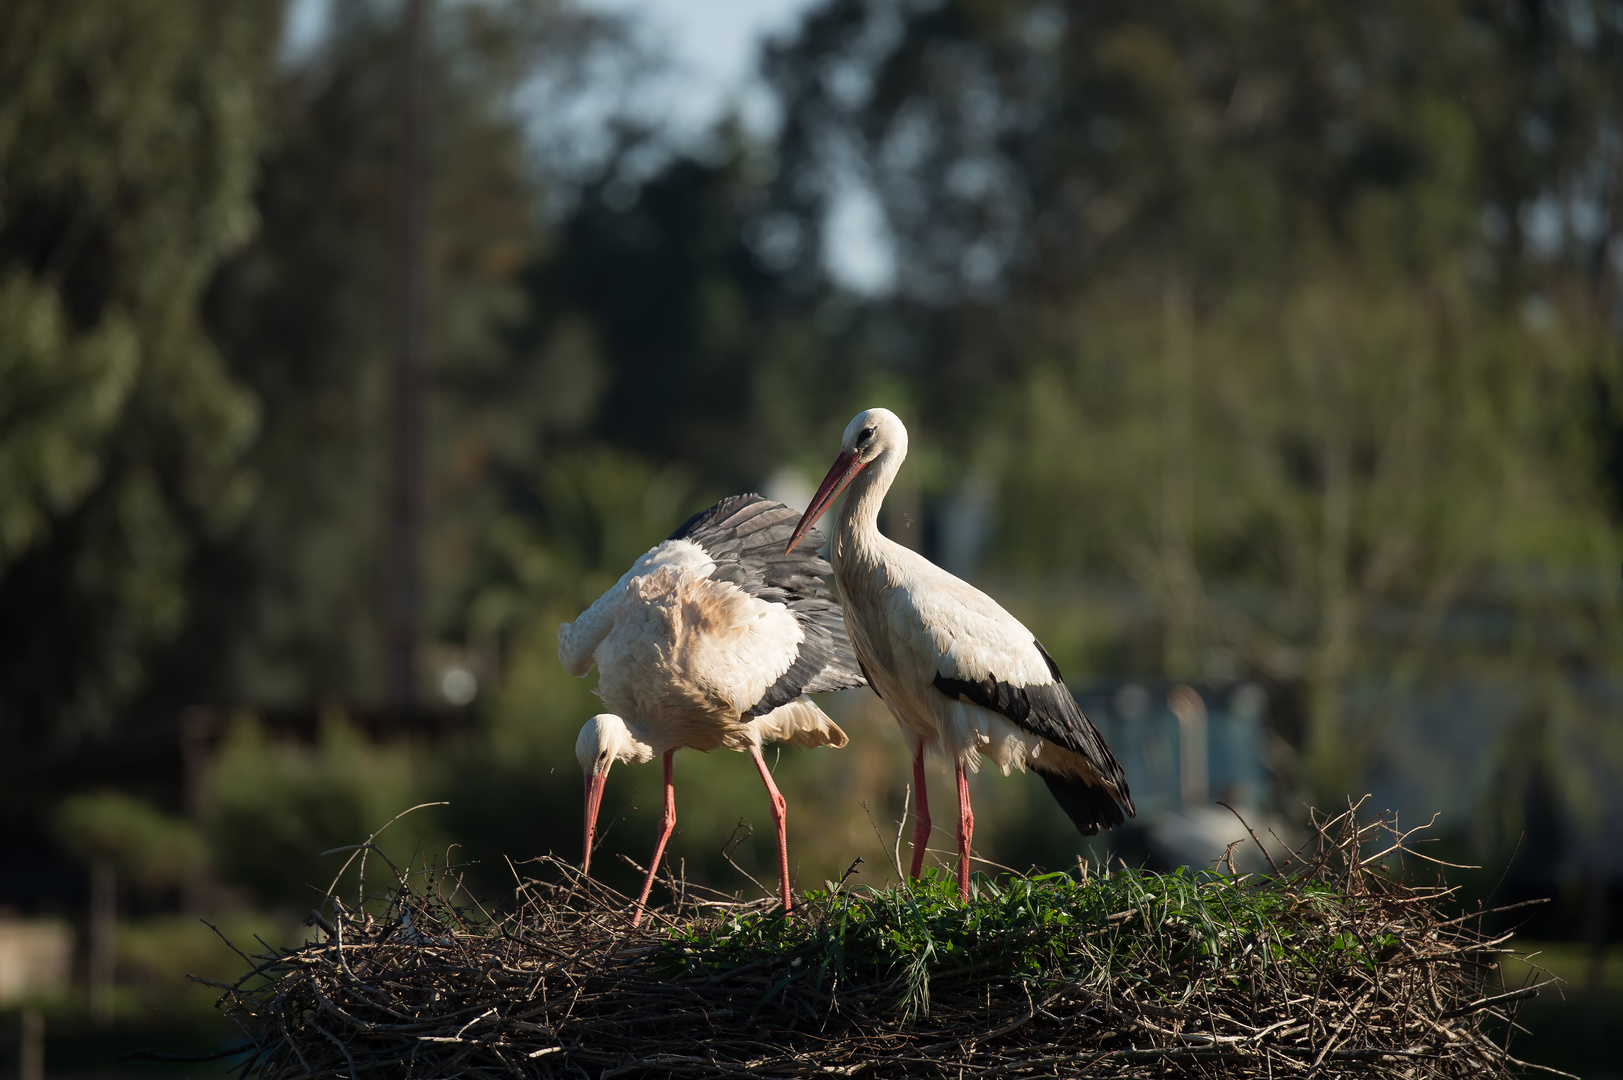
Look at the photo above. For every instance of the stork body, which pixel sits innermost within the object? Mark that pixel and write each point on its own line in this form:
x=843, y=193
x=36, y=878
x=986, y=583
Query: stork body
x=963, y=677
x=712, y=639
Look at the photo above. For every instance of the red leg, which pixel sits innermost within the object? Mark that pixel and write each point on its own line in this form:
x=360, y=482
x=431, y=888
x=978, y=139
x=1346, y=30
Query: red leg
x=667, y=825
x=966, y=829
x=921, y=815
x=779, y=818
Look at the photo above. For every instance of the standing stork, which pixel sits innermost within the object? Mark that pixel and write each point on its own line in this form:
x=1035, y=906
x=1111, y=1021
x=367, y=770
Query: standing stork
x=713, y=638
x=962, y=676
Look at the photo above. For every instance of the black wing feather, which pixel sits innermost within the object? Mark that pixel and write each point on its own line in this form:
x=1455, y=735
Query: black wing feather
x=1052, y=713
x=745, y=535
x=752, y=531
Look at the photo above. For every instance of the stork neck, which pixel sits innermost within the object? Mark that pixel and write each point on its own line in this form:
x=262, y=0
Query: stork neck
x=859, y=517
x=634, y=747
x=637, y=748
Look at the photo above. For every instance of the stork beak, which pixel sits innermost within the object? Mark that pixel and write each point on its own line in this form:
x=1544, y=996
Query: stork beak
x=846, y=467
x=594, y=800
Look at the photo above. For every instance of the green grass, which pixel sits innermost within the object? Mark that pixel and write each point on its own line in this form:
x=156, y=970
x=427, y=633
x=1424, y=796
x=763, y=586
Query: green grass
x=1145, y=973
x=1044, y=928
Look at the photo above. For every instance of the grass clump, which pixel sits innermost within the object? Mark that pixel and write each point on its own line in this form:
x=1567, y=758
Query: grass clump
x=1045, y=929
x=1333, y=965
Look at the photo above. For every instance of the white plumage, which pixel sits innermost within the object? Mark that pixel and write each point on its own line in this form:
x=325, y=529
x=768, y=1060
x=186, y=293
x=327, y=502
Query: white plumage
x=578, y=640
x=963, y=678
x=710, y=640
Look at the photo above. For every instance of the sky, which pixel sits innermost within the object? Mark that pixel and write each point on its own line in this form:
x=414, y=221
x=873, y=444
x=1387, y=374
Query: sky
x=713, y=45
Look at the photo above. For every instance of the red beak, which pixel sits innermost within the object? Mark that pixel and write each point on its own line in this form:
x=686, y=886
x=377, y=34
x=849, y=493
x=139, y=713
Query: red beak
x=845, y=469
x=594, y=800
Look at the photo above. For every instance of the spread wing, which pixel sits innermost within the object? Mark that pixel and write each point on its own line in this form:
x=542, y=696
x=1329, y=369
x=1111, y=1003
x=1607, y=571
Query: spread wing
x=744, y=535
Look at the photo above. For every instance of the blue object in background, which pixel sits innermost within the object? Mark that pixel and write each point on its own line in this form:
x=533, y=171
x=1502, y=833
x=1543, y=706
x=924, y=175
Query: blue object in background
x=1151, y=742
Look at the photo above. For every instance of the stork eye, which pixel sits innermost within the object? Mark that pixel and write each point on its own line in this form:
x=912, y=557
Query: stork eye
x=867, y=433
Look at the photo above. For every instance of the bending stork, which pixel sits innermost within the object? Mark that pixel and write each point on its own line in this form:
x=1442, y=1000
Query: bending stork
x=962, y=676
x=711, y=639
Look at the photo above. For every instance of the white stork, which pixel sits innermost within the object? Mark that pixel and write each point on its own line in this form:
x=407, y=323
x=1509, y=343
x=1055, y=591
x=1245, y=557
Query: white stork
x=711, y=639
x=962, y=676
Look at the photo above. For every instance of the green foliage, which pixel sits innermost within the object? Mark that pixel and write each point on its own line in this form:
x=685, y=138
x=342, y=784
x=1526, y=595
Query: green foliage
x=689, y=318
x=1240, y=309
x=601, y=510
x=129, y=137
x=1138, y=970
x=150, y=848
x=303, y=316
x=65, y=393
x=1048, y=928
x=1337, y=467
x=275, y=808
x=1248, y=306
x=1029, y=144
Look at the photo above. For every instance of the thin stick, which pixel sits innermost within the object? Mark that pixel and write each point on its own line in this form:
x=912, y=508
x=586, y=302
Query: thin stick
x=1253, y=833
x=358, y=848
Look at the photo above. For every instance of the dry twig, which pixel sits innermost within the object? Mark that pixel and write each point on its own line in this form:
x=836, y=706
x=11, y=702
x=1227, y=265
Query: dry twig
x=1333, y=968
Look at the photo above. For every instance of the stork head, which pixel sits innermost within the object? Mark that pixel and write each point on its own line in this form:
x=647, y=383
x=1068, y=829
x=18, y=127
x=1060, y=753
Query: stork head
x=604, y=740
x=871, y=435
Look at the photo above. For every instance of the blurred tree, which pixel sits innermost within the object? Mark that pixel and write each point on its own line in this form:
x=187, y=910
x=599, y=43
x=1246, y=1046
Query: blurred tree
x=1029, y=145
x=715, y=352
x=1339, y=483
x=129, y=135
x=708, y=364
x=626, y=299
x=278, y=806
x=514, y=791
x=119, y=837
x=674, y=298
x=1284, y=310
x=302, y=316
x=153, y=850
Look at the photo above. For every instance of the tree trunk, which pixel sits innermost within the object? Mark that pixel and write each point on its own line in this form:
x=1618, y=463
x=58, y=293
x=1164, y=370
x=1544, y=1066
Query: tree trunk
x=1180, y=578
x=31, y=1045
x=103, y=964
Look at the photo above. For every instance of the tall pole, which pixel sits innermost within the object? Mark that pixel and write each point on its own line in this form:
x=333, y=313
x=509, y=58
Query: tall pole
x=31, y=1045
x=404, y=517
x=103, y=966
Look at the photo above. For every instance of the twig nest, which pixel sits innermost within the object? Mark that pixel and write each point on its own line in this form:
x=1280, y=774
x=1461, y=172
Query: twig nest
x=1333, y=967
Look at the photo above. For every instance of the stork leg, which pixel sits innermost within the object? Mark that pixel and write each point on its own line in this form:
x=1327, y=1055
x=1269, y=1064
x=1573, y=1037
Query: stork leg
x=966, y=829
x=921, y=815
x=780, y=819
x=667, y=825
